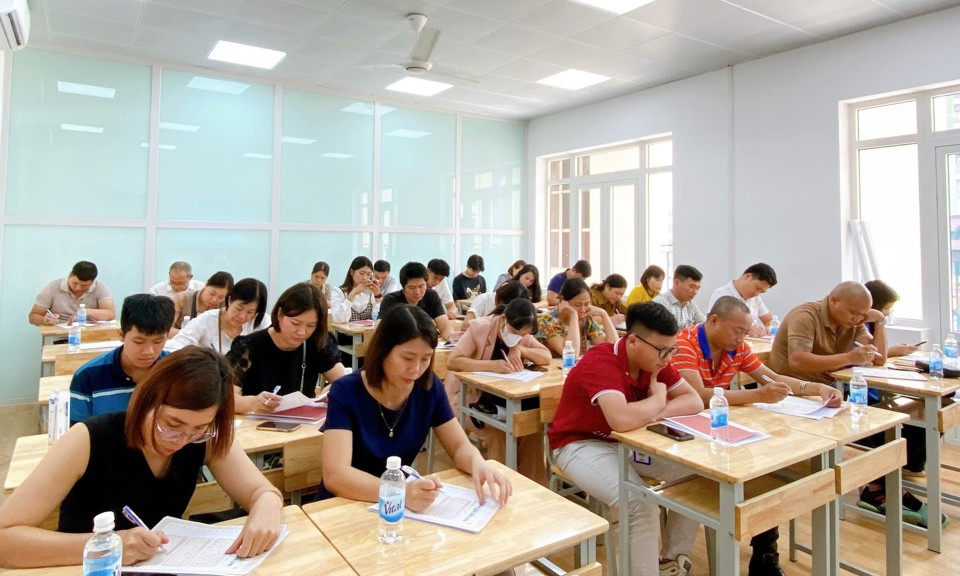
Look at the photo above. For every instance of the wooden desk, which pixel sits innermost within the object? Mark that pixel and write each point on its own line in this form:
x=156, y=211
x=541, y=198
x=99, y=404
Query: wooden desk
x=534, y=523
x=303, y=551
x=731, y=468
x=761, y=347
x=356, y=334
x=50, y=352
x=930, y=396
x=91, y=333
x=519, y=422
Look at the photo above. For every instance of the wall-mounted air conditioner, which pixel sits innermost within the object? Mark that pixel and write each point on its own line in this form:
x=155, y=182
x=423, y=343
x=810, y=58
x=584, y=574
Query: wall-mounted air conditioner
x=15, y=23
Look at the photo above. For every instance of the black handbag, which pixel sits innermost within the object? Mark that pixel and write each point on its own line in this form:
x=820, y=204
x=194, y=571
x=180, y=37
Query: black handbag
x=924, y=367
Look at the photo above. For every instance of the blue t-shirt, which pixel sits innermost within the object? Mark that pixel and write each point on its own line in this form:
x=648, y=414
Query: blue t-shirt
x=352, y=408
x=100, y=386
x=556, y=283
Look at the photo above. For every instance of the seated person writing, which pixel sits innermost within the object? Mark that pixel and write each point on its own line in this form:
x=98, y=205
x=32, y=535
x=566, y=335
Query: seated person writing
x=609, y=296
x=291, y=353
x=581, y=269
x=651, y=281
x=193, y=303
x=105, y=383
x=414, y=291
x=59, y=300
x=529, y=276
x=244, y=311
x=360, y=292
x=388, y=409
x=621, y=387
x=180, y=418
x=679, y=299
x=470, y=283
x=754, y=281
x=575, y=319
x=318, y=277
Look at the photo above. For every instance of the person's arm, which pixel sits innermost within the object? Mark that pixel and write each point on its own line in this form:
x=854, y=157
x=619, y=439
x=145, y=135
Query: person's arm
x=189, y=335
x=902, y=349
x=827, y=393
x=469, y=317
x=623, y=416
x=242, y=357
x=451, y=310
x=609, y=330
x=341, y=304
x=247, y=486
x=446, y=327
x=682, y=400
x=42, y=316
x=106, y=311
x=460, y=362
x=801, y=358
x=879, y=338
x=552, y=298
x=568, y=318
x=769, y=393
x=467, y=458
x=533, y=351
x=334, y=373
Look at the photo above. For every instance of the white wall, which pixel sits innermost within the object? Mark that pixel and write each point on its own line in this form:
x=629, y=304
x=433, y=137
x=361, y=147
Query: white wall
x=784, y=205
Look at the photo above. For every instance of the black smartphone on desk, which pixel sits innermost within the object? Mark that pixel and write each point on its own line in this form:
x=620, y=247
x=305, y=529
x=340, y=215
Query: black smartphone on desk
x=273, y=426
x=670, y=432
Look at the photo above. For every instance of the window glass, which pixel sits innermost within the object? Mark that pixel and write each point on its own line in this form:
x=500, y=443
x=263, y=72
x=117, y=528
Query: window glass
x=243, y=253
x=946, y=112
x=299, y=251
x=660, y=220
x=398, y=249
x=491, y=189
x=609, y=161
x=660, y=154
x=888, y=120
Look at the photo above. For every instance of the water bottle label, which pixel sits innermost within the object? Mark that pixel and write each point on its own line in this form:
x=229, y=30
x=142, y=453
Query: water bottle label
x=73, y=339
x=773, y=330
x=858, y=396
x=391, y=509
x=936, y=365
x=718, y=417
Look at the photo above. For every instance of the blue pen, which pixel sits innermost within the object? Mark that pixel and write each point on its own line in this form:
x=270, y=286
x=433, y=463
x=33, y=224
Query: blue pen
x=130, y=515
x=411, y=472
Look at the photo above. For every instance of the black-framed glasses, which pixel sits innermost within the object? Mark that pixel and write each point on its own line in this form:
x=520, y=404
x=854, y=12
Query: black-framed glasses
x=170, y=435
x=665, y=353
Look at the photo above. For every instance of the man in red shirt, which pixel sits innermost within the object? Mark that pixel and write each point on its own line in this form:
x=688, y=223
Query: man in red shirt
x=623, y=386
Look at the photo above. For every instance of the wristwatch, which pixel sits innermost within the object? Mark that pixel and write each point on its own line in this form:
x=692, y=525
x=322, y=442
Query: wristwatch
x=881, y=322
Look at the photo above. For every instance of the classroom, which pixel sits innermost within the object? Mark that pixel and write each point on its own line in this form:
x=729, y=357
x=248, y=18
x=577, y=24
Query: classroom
x=713, y=133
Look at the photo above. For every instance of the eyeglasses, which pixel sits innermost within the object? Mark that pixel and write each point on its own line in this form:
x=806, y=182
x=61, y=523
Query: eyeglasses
x=171, y=435
x=665, y=353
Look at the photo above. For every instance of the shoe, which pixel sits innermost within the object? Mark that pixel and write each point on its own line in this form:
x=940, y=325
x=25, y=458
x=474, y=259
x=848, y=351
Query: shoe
x=874, y=501
x=944, y=521
x=679, y=567
x=765, y=564
x=488, y=409
x=911, y=474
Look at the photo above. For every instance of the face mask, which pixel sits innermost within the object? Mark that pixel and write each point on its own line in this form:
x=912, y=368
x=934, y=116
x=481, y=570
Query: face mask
x=509, y=338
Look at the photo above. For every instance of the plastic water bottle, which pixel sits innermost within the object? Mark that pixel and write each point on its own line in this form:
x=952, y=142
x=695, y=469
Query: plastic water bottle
x=186, y=320
x=375, y=313
x=393, y=492
x=82, y=315
x=719, y=416
x=950, y=351
x=103, y=553
x=569, y=357
x=936, y=364
x=858, y=394
x=73, y=338
x=774, y=326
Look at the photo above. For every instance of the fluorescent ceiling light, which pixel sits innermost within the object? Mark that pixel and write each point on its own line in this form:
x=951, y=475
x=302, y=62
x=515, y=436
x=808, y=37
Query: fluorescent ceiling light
x=615, y=6
x=573, y=79
x=160, y=146
x=338, y=155
x=405, y=133
x=419, y=86
x=366, y=109
x=215, y=85
x=246, y=55
x=295, y=140
x=82, y=128
x=257, y=155
x=85, y=89
x=178, y=127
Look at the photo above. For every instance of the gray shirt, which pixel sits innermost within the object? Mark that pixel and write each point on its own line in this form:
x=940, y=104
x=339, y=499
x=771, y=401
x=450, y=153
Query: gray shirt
x=56, y=297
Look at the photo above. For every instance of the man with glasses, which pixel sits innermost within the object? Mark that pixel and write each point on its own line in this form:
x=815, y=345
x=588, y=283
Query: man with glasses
x=620, y=387
x=711, y=355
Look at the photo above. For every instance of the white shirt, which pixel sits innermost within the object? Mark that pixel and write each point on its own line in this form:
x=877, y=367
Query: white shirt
x=164, y=288
x=755, y=304
x=391, y=285
x=443, y=291
x=203, y=331
x=483, y=304
x=341, y=306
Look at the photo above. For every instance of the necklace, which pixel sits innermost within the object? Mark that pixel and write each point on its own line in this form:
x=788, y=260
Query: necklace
x=395, y=422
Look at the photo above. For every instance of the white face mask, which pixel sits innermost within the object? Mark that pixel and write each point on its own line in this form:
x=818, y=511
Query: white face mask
x=509, y=338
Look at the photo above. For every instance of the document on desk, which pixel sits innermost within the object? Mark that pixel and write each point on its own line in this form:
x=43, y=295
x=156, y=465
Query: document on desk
x=196, y=548
x=111, y=344
x=699, y=425
x=295, y=407
x=521, y=376
x=457, y=507
x=893, y=374
x=793, y=406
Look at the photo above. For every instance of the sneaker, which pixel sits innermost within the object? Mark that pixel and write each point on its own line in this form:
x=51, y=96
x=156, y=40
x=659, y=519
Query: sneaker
x=874, y=501
x=679, y=567
x=944, y=521
x=765, y=564
x=911, y=474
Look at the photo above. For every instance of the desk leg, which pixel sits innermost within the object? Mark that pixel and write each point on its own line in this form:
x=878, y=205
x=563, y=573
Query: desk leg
x=462, y=414
x=728, y=549
x=625, y=455
x=931, y=405
x=824, y=528
x=46, y=369
x=894, y=521
x=354, y=361
x=513, y=406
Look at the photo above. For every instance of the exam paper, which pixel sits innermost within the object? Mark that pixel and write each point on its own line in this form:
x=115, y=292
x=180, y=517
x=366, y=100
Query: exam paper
x=456, y=507
x=802, y=407
x=295, y=407
x=893, y=374
x=521, y=376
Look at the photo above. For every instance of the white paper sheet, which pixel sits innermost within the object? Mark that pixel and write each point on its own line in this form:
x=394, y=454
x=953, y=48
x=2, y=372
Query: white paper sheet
x=893, y=374
x=288, y=401
x=456, y=507
x=793, y=406
x=521, y=376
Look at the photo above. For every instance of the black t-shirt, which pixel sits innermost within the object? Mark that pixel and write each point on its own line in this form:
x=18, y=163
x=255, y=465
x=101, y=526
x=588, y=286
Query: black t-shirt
x=430, y=303
x=262, y=366
x=465, y=288
x=118, y=476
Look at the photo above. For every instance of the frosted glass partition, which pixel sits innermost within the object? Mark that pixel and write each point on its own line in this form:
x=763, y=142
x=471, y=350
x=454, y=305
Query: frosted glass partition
x=398, y=249
x=216, y=149
x=327, y=160
x=417, y=166
x=498, y=252
x=77, y=125
x=34, y=255
x=299, y=251
x=243, y=253
x=491, y=189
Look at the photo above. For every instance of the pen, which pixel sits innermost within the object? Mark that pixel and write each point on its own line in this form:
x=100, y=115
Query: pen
x=874, y=352
x=276, y=389
x=409, y=471
x=770, y=381
x=132, y=517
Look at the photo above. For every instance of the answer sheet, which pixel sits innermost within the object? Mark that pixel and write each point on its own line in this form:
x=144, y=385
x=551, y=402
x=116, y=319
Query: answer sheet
x=521, y=376
x=457, y=507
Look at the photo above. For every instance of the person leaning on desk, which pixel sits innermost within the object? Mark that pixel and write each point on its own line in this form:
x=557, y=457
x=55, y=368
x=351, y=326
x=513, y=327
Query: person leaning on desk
x=59, y=300
x=180, y=418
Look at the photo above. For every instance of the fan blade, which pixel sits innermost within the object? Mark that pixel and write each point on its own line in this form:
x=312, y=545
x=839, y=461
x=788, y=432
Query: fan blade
x=426, y=40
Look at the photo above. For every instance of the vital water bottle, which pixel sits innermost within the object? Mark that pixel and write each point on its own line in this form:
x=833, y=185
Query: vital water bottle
x=82, y=315
x=950, y=351
x=774, y=326
x=569, y=357
x=393, y=492
x=936, y=364
x=103, y=553
x=719, y=416
x=858, y=394
x=73, y=338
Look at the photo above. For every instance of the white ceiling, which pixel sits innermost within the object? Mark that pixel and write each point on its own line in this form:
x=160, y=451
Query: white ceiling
x=493, y=51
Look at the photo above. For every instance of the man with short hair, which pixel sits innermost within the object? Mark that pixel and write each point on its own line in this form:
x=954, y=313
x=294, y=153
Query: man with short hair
x=622, y=386
x=711, y=355
x=59, y=300
x=470, y=283
x=388, y=283
x=105, y=383
x=581, y=269
x=414, y=291
x=179, y=279
x=437, y=272
x=754, y=281
x=679, y=299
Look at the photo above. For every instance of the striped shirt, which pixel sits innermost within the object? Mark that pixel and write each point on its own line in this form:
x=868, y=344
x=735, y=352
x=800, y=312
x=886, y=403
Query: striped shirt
x=687, y=313
x=695, y=355
x=101, y=386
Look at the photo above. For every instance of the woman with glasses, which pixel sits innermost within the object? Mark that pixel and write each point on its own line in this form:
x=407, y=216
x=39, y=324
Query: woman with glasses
x=180, y=418
x=360, y=292
x=575, y=319
x=244, y=311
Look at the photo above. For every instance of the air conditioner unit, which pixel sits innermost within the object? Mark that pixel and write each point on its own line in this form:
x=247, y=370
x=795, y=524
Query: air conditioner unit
x=15, y=23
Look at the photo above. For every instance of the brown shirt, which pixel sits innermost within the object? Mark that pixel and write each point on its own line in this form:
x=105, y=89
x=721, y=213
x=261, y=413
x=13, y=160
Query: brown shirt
x=598, y=299
x=809, y=323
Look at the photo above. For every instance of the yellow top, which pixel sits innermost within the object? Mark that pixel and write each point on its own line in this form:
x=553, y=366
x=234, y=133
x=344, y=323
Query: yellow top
x=640, y=295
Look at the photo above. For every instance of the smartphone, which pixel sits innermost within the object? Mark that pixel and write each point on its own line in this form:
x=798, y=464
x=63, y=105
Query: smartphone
x=278, y=426
x=670, y=432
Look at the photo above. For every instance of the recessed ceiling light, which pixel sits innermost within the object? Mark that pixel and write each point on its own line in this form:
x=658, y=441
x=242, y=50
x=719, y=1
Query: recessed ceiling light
x=573, y=79
x=296, y=140
x=419, y=86
x=258, y=156
x=160, y=146
x=246, y=55
x=82, y=128
x=178, y=127
x=407, y=133
x=615, y=6
x=338, y=155
x=85, y=89
x=216, y=85
x=366, y=109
